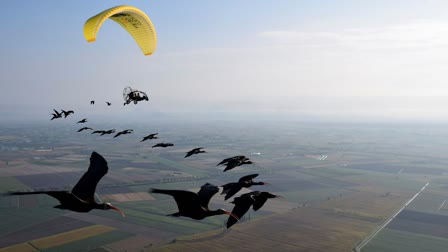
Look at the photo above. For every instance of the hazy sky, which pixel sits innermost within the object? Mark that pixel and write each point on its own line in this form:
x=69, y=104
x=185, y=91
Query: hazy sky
x=341, y=58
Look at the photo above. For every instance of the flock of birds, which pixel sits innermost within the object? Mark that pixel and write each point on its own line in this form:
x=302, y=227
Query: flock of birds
x=64, y=114
x=193, y=205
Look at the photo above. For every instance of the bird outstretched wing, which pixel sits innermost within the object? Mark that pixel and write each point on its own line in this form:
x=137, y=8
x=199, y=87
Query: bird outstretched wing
x=232, y=164
x=61, y=196
x=86, y=186
x=226, y=188
x=248, y=177
x=242, y=205
x=206, y=193
x=231, y=189
x=185, y=200
x=260, y=199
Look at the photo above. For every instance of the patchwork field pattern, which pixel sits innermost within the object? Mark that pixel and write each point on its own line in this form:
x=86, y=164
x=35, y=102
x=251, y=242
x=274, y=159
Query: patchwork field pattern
x=51, y=227
x=339, y=184
x=63, y=238
x=422, y=226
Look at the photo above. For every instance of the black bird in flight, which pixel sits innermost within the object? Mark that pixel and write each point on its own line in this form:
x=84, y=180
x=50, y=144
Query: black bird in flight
x=233, y=162
x=85, y=128
x=81, y=198
x=99, y=132
x=108, y=103
x=83, y=120
x=164, y=145
x=56, y=115
x=231, y=158
x=92, y=102
x=195, y=151
x=243, y=203
x=108, y=132
x=150, y=136
x=194, y=205
x=67, y=113
x=124, y=132
x=231, y=189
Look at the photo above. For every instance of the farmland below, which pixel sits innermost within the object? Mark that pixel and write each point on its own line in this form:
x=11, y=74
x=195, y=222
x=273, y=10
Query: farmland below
x=339, y=183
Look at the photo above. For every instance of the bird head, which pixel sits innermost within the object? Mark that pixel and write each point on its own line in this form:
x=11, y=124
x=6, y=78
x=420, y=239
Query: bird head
x=108, y=206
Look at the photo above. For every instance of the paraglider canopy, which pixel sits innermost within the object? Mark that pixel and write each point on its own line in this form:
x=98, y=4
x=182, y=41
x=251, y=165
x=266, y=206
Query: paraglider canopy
x=135, y=21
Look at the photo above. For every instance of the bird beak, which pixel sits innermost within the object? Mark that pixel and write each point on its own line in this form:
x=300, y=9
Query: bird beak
x=266, y=183
x=232, y=214
x=278, y=196
x=118, y=210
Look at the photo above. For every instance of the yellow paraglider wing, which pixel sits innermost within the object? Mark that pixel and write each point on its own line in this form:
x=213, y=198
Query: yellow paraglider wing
x=135, y=21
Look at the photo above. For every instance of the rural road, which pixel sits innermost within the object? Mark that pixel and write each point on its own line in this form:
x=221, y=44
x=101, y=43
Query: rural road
x=372, y=235
x=443, y=203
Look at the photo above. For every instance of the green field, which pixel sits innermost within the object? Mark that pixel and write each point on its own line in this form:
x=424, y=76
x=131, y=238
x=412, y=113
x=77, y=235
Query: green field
x=91, y=242
x=11, y=184
x=14, y=219
x=400, y=241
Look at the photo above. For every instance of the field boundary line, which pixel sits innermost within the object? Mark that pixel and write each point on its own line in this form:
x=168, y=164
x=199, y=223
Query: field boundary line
x=443, y=203
x=34, y=247
x=372, y=235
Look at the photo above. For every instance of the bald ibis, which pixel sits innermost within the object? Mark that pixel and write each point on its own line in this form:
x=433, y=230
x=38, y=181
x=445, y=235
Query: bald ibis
x=194, y=205
x=243, y=203
x=164, y=145
x=124, y=132
x=67, y=113
x=231, y=158
x=195, y=151
x=84, y=128
x=150, y=136
x=81, y=198
x=231, y=189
